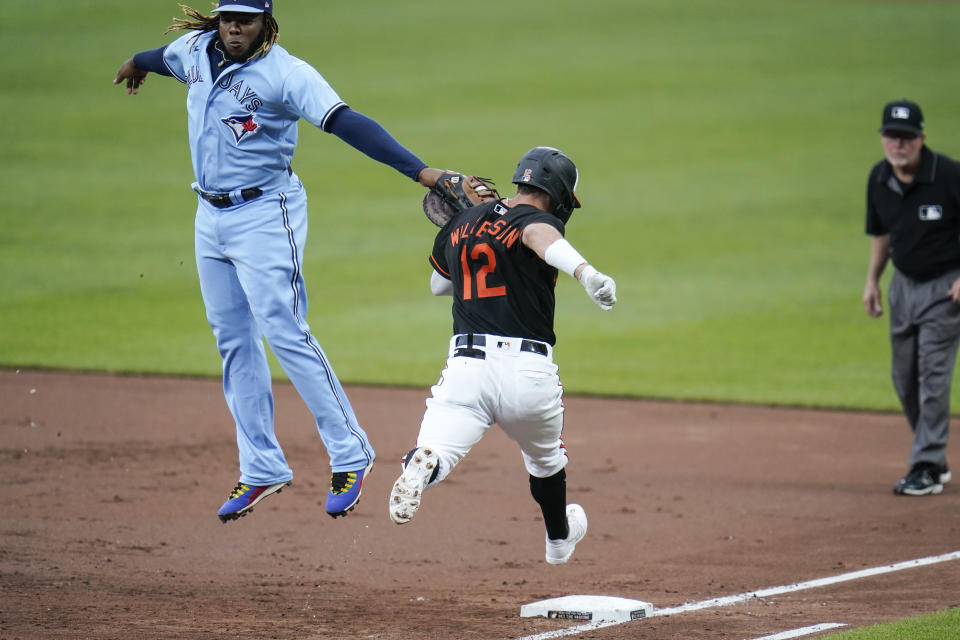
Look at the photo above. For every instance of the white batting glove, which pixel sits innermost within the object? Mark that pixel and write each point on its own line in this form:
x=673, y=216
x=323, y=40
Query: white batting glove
x=600, y=287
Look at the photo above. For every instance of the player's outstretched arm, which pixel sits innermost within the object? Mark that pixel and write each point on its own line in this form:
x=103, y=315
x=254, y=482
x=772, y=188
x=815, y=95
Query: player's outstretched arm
x=134, y=76
x=368, y=136
x=553, y=249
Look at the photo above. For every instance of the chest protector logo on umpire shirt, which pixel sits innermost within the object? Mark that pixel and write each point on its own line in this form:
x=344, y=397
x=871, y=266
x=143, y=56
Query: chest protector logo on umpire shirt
x=930, y=212
x=241, y=126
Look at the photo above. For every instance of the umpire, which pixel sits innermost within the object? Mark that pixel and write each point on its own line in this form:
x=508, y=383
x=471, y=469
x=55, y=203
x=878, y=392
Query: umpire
x=913, y=218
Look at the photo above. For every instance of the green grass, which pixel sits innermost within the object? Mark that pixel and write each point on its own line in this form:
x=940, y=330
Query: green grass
x=943, y=625
x=723, y=149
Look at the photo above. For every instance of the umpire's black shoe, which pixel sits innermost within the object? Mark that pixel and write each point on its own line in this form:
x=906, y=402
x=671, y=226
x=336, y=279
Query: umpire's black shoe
x=945, y=475
x=923, y=479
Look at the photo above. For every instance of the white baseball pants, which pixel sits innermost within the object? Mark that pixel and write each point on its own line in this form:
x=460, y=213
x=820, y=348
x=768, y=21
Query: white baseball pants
x=504, y=384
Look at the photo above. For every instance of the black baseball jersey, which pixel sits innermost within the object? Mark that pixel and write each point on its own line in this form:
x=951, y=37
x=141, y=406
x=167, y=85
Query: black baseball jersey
x=922, y=217
x=500, y=286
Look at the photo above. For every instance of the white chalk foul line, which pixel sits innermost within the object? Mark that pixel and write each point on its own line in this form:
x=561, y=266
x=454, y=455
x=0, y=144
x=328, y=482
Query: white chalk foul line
x=805, y=631
x=811, y=584
x=762, y=593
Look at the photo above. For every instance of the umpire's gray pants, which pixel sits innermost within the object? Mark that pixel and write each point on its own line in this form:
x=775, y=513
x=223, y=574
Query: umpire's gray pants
x=924, y=334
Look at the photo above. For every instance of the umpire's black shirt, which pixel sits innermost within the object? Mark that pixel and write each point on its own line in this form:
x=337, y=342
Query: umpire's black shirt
x=922, y=217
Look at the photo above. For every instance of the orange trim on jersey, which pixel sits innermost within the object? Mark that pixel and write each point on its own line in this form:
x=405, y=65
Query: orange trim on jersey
x=438, y=267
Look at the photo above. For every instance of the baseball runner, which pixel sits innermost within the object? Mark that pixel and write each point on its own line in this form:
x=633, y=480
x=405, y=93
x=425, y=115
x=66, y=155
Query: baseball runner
x=245, y=95
x=500, y=261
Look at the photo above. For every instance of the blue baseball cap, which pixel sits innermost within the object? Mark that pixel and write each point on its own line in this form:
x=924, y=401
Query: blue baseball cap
x=245, y=6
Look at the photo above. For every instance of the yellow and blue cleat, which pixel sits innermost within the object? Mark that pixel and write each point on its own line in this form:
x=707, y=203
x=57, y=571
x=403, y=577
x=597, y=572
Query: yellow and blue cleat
x=345, y=489
x=243, y=498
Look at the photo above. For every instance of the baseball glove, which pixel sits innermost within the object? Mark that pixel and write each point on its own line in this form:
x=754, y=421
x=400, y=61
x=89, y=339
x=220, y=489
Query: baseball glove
x=455, y=192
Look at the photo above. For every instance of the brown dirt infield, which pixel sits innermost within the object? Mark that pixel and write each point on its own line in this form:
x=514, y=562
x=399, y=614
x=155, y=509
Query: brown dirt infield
x=111, y=485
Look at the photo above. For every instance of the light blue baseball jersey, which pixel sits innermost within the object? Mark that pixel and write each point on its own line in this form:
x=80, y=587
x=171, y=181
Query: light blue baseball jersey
x=243, y=125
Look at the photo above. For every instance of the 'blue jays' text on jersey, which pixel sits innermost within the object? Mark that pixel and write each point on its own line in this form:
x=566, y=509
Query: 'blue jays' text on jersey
x=243, y=126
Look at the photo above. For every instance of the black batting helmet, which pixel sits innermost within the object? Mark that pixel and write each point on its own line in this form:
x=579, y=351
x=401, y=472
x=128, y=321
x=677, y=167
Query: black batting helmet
x=553, y=172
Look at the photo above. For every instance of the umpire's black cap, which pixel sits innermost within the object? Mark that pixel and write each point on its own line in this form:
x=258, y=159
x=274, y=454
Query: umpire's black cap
x=902, y=115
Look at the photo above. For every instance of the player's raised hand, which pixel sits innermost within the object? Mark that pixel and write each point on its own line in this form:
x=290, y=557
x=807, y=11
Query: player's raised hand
x=132, y=74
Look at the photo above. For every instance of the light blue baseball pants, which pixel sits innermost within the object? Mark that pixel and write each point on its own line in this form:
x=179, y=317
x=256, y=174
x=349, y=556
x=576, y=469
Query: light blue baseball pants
x=249, y=260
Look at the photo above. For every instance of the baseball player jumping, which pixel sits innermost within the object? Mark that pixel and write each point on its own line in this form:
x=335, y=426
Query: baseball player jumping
x=500, y=262
x=245, y=95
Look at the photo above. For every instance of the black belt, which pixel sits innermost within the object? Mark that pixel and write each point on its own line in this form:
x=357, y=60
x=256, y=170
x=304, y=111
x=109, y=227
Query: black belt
x=222, y=200
x=470, y=340
x=927, y=276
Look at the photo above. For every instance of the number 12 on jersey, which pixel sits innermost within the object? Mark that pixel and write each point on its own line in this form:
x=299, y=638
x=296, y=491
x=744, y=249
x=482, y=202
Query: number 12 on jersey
x=476, y=270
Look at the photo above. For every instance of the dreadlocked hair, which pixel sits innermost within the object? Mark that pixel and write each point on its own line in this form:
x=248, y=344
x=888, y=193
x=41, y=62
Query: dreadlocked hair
x=196, y=21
